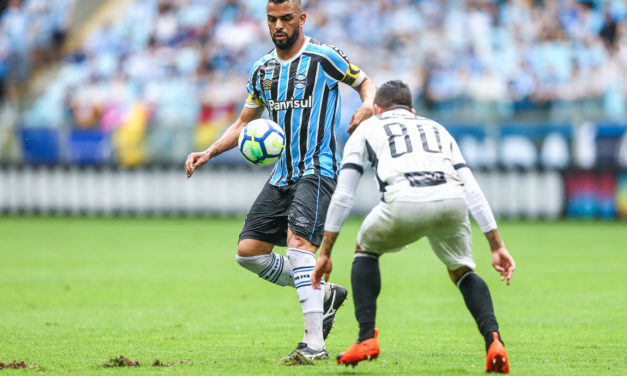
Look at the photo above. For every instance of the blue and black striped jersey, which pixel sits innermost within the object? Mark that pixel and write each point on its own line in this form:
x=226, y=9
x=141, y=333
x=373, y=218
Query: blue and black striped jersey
x=302, y=96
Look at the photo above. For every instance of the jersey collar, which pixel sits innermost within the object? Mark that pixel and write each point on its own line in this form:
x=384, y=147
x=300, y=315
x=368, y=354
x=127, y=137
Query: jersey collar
x=296, y=56
x=399, y=110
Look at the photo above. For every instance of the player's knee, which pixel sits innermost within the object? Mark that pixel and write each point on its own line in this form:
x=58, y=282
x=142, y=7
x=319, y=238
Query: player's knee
x=298, y=242
x=458, y=273
x=359, y=252
x=242, y=252
x=252, y=247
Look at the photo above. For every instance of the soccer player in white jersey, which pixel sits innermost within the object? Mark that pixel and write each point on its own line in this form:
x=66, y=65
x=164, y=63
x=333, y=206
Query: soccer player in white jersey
x=427, y=190
x=298, y=84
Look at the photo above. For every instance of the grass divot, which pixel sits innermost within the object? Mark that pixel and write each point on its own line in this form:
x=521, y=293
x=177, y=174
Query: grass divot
x=158, y=363
x=121, y=361
x=16, y=365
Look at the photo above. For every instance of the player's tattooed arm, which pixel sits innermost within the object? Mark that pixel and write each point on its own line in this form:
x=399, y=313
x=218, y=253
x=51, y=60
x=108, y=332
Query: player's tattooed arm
x=367, y=90
x=494, y=238
x=327, y=243
x=502, y=261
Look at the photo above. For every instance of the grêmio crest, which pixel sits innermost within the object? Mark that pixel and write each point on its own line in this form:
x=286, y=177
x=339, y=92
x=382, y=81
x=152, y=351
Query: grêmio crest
x=300, y=81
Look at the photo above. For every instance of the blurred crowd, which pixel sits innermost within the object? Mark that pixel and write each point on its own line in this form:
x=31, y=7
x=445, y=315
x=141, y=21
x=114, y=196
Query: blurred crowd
x=31, y=34
x=167, y=76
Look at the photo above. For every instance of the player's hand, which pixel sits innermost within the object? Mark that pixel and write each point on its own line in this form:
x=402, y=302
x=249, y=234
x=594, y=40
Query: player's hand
x=323, y=268
x=363, y=112
x=195, y=160
x=504, y=263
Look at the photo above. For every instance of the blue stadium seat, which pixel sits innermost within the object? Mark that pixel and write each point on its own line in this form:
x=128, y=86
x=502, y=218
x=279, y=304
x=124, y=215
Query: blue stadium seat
x=89, y=147
x=40, y=145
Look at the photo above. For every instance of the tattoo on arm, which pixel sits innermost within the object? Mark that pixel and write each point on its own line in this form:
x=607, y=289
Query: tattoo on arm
x=328, y=241
x=494, y=238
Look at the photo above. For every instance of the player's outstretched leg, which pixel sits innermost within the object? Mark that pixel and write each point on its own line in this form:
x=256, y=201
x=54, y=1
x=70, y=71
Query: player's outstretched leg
x=479, y=302
x=366, y=284
x=272, y=267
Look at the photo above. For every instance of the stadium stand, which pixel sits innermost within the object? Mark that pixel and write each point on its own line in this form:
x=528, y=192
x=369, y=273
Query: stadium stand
x=159, y=78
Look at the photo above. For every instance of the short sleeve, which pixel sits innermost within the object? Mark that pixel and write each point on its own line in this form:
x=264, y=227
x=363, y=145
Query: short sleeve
x=456, y=155
x=254, y=95
x=341, y=69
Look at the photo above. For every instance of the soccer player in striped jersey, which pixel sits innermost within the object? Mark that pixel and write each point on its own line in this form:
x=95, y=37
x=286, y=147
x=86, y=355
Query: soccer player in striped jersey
x=427, y=190
x=297, y=82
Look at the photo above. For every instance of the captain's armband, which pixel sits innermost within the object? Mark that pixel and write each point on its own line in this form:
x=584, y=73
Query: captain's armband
x=253, y=101
x=353, y=76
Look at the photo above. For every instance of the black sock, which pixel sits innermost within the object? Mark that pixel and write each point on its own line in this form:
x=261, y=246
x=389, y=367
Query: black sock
x=479, y=303
x=366, y=283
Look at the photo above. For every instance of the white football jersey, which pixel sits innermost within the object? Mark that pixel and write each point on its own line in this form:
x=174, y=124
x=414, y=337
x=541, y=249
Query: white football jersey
x=414, y=158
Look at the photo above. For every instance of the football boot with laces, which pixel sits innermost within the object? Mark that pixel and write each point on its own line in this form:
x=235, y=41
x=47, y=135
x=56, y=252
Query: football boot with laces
x=365, y=350
x=304, y=355
x=496, y=360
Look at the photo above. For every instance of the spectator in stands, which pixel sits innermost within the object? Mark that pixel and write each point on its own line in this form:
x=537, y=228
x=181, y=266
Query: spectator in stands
x=503, y=56
x=15, y=29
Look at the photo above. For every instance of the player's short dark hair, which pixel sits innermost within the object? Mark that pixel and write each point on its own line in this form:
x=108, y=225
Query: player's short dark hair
x=294, y=2
x=393, y=93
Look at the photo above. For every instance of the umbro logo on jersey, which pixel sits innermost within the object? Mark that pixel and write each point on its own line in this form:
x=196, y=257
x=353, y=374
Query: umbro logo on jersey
x=292, y=104
x=266, y=84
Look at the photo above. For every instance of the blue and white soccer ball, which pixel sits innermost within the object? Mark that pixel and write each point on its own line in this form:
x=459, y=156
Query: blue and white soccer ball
x=261, y=142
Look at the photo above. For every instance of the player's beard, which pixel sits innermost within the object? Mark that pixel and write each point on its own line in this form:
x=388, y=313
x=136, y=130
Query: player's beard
x=288, y=42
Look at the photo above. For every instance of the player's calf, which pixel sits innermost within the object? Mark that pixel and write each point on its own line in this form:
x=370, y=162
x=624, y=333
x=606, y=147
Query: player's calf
x=272, y=267
x=311, y=300
x=479, y=302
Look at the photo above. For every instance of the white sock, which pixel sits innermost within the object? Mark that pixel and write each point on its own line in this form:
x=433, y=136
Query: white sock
x=313, y=330
x=303, y=264
x=272, y=267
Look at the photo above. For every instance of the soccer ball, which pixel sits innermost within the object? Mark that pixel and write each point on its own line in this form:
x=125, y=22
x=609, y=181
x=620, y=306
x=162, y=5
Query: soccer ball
x=261, y=142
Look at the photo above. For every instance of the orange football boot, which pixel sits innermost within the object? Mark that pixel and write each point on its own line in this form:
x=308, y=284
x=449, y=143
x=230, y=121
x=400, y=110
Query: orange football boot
x=365, y=350
x=496, y=360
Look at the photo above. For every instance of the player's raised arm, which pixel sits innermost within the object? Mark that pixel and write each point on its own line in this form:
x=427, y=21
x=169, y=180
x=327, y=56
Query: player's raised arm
x=226, y=142
x=367, y=90
x=338, y=67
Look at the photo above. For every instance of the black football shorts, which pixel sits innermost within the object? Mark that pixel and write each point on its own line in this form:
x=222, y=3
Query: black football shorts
x=301, y=206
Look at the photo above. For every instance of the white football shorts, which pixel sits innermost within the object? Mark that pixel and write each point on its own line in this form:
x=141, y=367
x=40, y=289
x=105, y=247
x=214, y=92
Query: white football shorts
x=391, y=226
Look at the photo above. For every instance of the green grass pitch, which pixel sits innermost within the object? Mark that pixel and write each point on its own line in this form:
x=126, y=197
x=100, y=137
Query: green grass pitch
x=77, y=292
